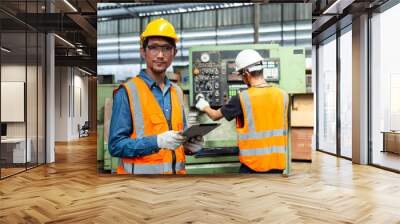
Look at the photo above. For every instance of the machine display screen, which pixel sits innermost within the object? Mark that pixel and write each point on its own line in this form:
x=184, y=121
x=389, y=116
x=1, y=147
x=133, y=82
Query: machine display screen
x=271, y=70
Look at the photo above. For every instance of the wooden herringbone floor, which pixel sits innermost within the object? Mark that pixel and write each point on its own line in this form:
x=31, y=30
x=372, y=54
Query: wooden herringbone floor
x=329, y=190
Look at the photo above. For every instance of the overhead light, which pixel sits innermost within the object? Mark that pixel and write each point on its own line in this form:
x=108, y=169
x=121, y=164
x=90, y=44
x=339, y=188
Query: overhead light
x=84, y=71
x=70, y=5
x=337, y=7
x=5, y=50
x=333, y=6
x=199, y=34
x=107, y=40
x=65, y=41
x=235, y=32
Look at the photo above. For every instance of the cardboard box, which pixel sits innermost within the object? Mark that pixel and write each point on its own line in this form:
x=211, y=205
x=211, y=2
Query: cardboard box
x=302, y=143
x=392, y=142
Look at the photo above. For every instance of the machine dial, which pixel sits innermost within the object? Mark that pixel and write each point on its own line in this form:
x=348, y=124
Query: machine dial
x=205, y=57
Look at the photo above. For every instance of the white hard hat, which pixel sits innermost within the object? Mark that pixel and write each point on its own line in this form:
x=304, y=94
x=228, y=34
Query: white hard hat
x=246, y=58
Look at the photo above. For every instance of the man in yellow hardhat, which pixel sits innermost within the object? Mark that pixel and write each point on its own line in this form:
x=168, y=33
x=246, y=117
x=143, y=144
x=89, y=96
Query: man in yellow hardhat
x=261, y=117
x=148, y=114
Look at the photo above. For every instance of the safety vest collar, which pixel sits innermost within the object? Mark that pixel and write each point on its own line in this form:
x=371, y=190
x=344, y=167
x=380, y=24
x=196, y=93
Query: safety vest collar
x=150, y=82
x=138, y=110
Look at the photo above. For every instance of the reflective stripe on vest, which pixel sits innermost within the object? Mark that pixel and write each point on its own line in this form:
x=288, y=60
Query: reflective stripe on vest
x=249, y=112
x=152, y=168
x=262, y=134
x=262, y=151
x=180, y=98
x=137, y=110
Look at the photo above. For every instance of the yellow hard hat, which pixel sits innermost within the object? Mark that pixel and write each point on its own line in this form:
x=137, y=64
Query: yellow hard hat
x=159, y=27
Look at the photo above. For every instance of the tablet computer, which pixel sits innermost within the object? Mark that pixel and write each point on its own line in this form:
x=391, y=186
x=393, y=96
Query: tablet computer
x=199, y=129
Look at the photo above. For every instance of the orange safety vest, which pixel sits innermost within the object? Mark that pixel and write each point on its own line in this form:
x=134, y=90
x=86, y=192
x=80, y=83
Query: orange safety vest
x=262, y=139
x=148, y=119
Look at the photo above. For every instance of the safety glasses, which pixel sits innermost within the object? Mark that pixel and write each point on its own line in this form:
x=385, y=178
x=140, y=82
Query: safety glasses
x=165, y=49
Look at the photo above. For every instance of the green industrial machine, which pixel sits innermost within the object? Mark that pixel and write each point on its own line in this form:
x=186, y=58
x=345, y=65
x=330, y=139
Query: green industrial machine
x=212, y=74
x=104, y=94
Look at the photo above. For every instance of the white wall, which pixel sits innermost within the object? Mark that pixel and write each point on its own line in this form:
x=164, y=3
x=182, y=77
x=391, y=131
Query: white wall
x=14, y=73
x=70, y=83
x=61, y=103
x=79, y=117
x=33, y=126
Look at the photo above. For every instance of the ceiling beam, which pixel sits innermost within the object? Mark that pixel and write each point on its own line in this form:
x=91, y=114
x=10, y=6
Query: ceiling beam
x=86, y=26
x=79, y=61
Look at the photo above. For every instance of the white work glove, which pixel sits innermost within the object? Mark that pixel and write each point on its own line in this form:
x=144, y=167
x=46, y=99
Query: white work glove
x=194, y=145
x=170, y=140
x=201, y=102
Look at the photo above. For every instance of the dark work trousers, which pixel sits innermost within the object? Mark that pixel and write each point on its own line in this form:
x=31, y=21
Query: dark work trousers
x=246, y=169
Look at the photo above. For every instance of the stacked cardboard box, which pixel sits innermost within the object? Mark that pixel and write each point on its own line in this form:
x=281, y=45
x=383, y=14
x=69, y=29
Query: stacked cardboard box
x=301, y=143
x=302, y=124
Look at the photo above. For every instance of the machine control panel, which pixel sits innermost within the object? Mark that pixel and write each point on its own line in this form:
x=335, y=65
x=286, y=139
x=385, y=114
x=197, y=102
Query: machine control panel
x=214, y=75
x=207, y=78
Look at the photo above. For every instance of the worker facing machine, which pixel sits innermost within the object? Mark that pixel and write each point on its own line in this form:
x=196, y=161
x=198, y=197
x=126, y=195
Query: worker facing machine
x=261, y=114
x=148, y=113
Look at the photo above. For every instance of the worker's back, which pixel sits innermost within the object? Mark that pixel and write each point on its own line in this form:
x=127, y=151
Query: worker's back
x=263, y=137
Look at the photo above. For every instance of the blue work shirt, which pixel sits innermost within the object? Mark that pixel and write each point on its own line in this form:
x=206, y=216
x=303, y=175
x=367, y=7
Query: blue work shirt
x=120, y=144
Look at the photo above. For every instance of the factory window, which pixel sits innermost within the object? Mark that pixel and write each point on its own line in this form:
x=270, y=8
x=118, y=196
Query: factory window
x=346, y=92
x=327, y=96
x=334, y=94
x=385, y=89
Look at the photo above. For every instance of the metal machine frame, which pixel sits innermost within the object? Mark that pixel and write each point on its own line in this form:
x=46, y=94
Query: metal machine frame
x=291, y=78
